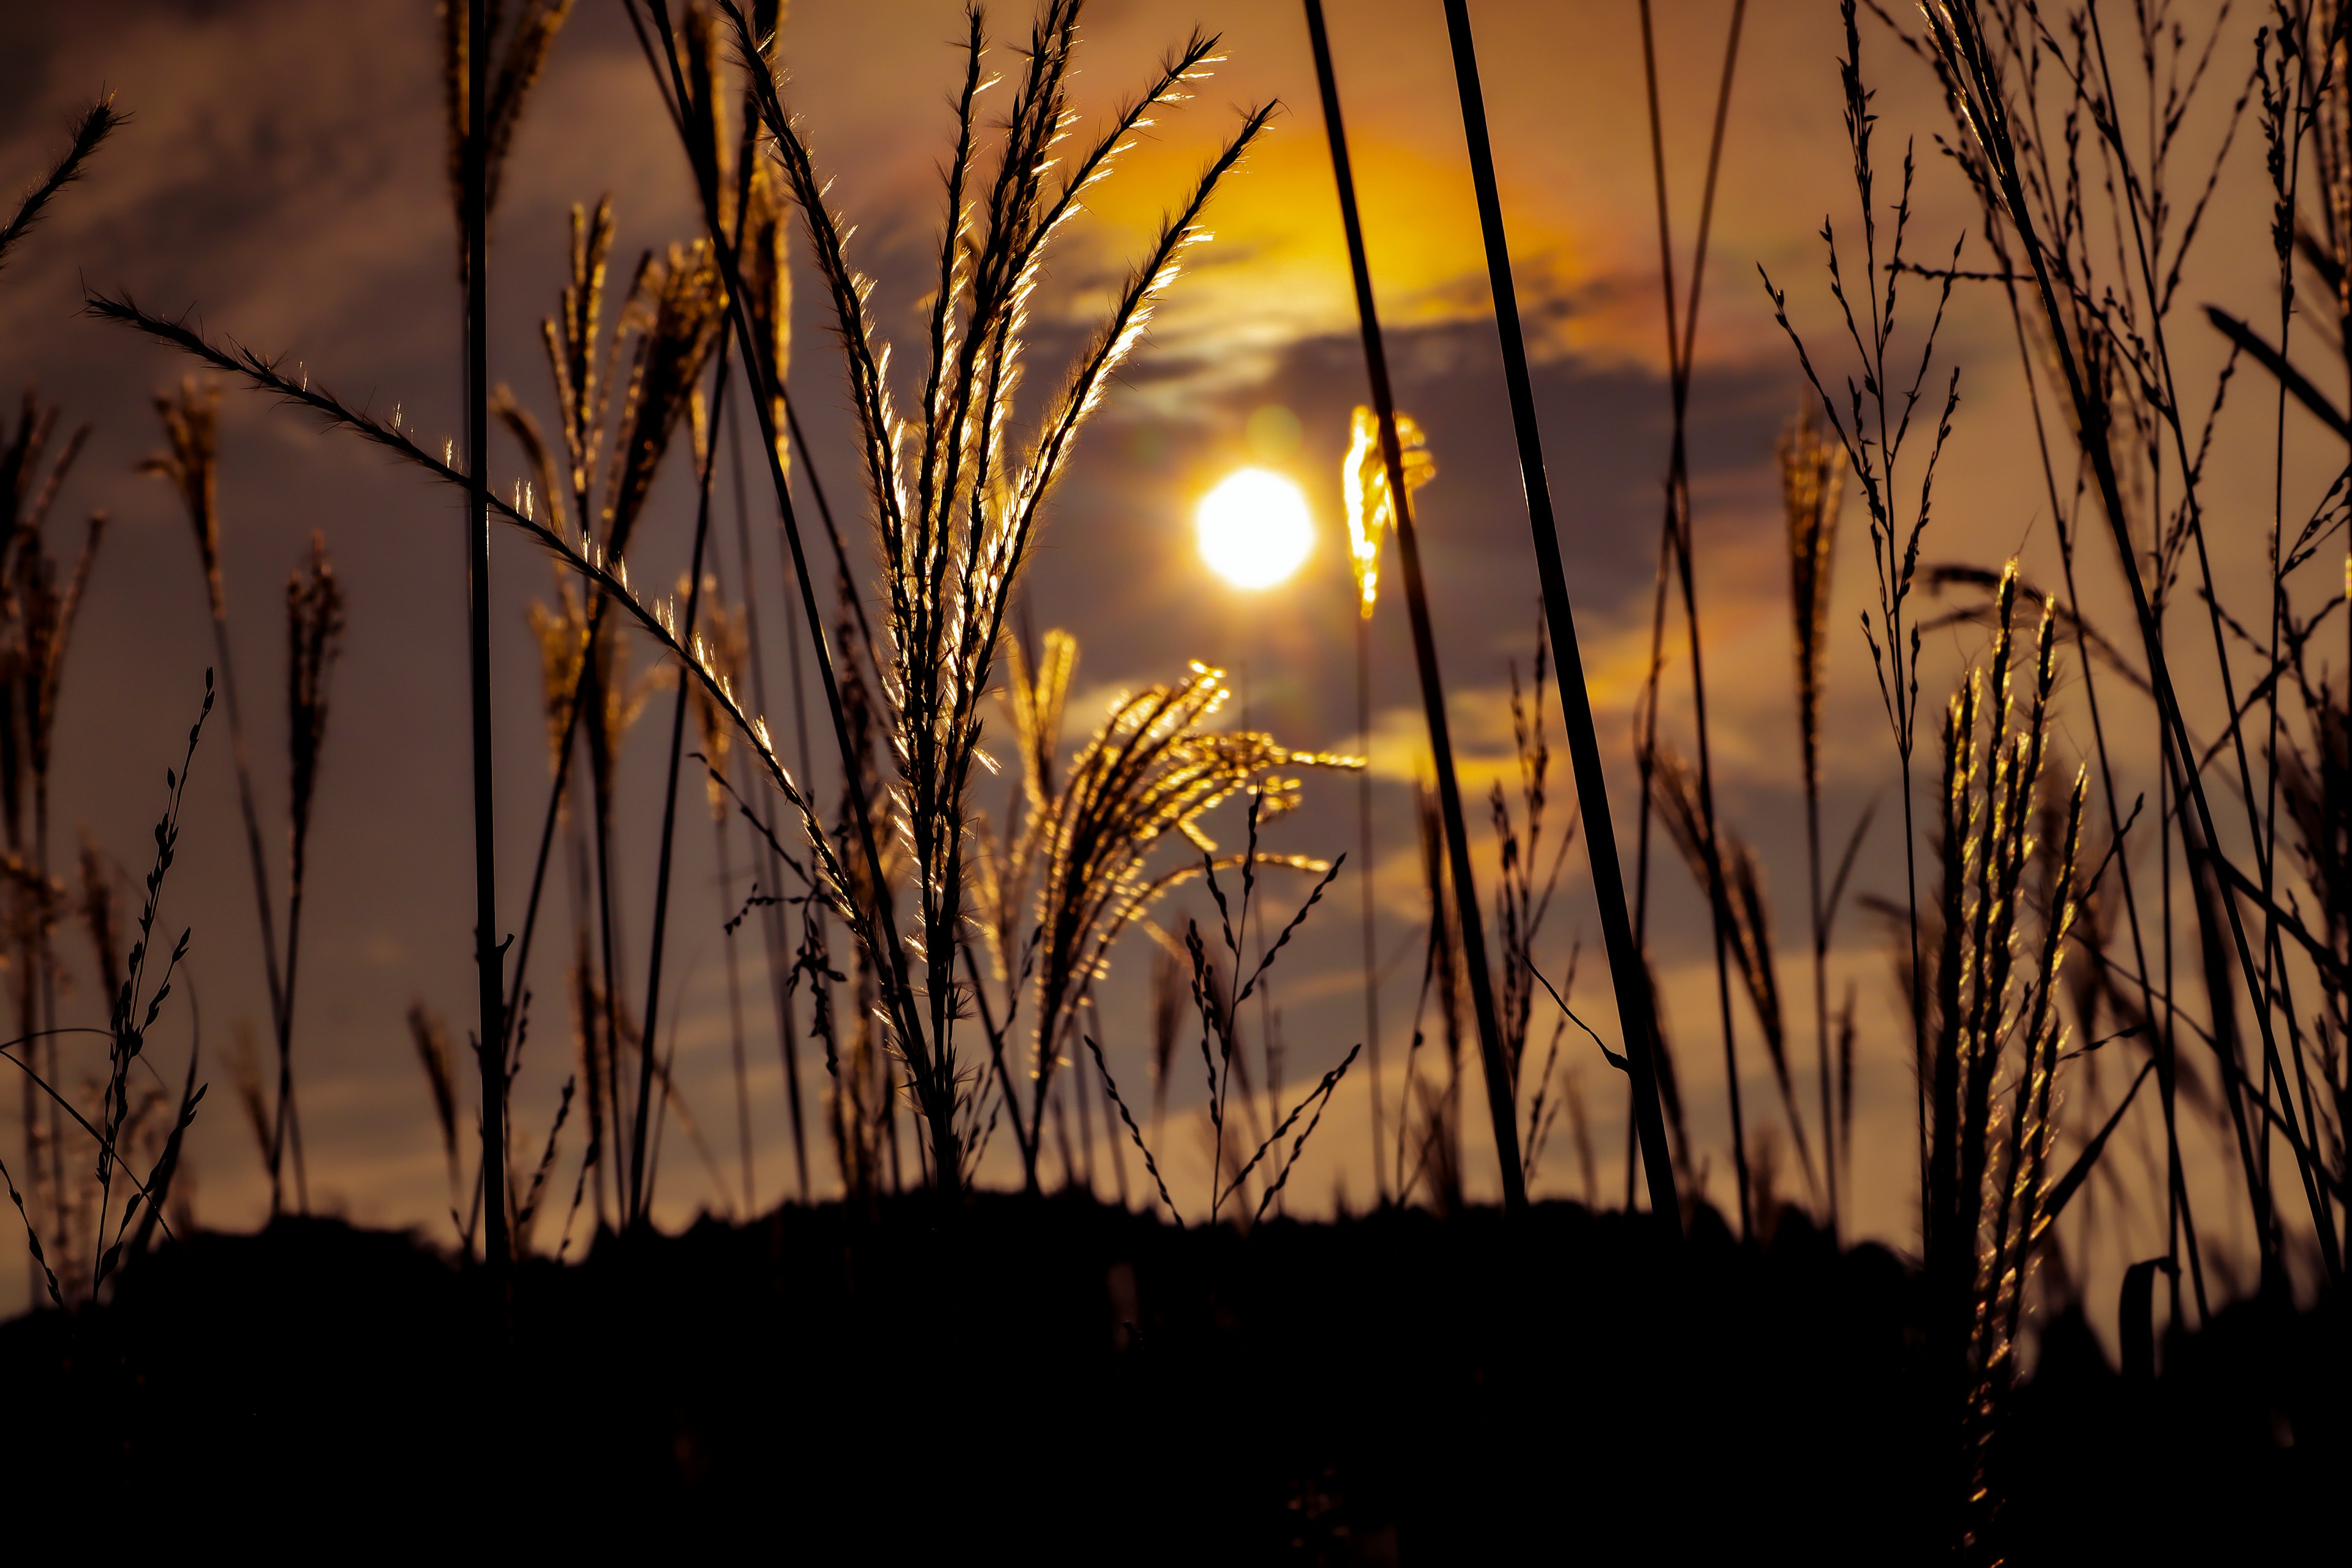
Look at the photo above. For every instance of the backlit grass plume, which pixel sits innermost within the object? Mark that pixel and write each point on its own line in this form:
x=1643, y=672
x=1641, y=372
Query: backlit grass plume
x=1364, y=487
x=753, y=207
x=1152, y=772
x=674, y=311
x=1812, y=487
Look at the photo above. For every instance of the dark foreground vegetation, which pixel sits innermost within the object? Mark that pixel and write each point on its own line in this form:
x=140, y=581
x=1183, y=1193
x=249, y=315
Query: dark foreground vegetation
x=1396, y=1388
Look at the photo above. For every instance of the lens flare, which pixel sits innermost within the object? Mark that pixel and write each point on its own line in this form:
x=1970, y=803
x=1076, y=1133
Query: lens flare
x=1254, y=529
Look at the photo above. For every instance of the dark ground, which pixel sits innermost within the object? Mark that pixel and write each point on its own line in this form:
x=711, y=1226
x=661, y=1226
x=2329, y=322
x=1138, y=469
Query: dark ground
x=1053, y=1380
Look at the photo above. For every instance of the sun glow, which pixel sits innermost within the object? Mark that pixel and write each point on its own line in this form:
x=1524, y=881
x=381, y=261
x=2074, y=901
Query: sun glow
x=1254, y=529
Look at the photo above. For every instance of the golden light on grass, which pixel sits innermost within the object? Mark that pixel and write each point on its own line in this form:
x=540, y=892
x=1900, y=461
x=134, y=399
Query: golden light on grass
x=1255, y=530
x=1364, y=489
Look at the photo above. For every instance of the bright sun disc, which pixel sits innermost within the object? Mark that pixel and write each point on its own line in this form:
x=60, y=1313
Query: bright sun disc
x=1255, y=530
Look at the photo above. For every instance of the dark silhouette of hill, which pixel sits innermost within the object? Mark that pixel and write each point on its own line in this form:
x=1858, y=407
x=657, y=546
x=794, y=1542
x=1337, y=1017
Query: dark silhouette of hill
x=1069, y=1381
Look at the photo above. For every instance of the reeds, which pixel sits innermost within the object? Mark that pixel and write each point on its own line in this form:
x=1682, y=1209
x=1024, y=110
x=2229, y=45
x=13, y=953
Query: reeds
x=1628, y=970
x=1677, y=549
x=586, y=559
x=954, y=540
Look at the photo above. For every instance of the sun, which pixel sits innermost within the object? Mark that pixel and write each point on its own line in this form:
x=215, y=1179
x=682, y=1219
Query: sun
x=1254, y=529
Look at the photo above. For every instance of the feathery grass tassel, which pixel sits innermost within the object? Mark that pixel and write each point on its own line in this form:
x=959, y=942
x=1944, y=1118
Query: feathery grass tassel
x=1813, y=486
x=314, y=635
x=1364, y=487
x=474, y=246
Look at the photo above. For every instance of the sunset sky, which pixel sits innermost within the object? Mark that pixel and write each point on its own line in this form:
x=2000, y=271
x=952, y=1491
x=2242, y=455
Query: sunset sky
x=282, y=179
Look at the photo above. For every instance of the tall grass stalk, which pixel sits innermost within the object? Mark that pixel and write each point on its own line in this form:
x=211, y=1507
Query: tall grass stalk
x=614, y=447
x=484, y=108
x=1499, y=1102
x=1625, y=968
x=2009, y=849
x=474, y=220
x=314, y=633
x=877, y=925
x=1727, y=873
